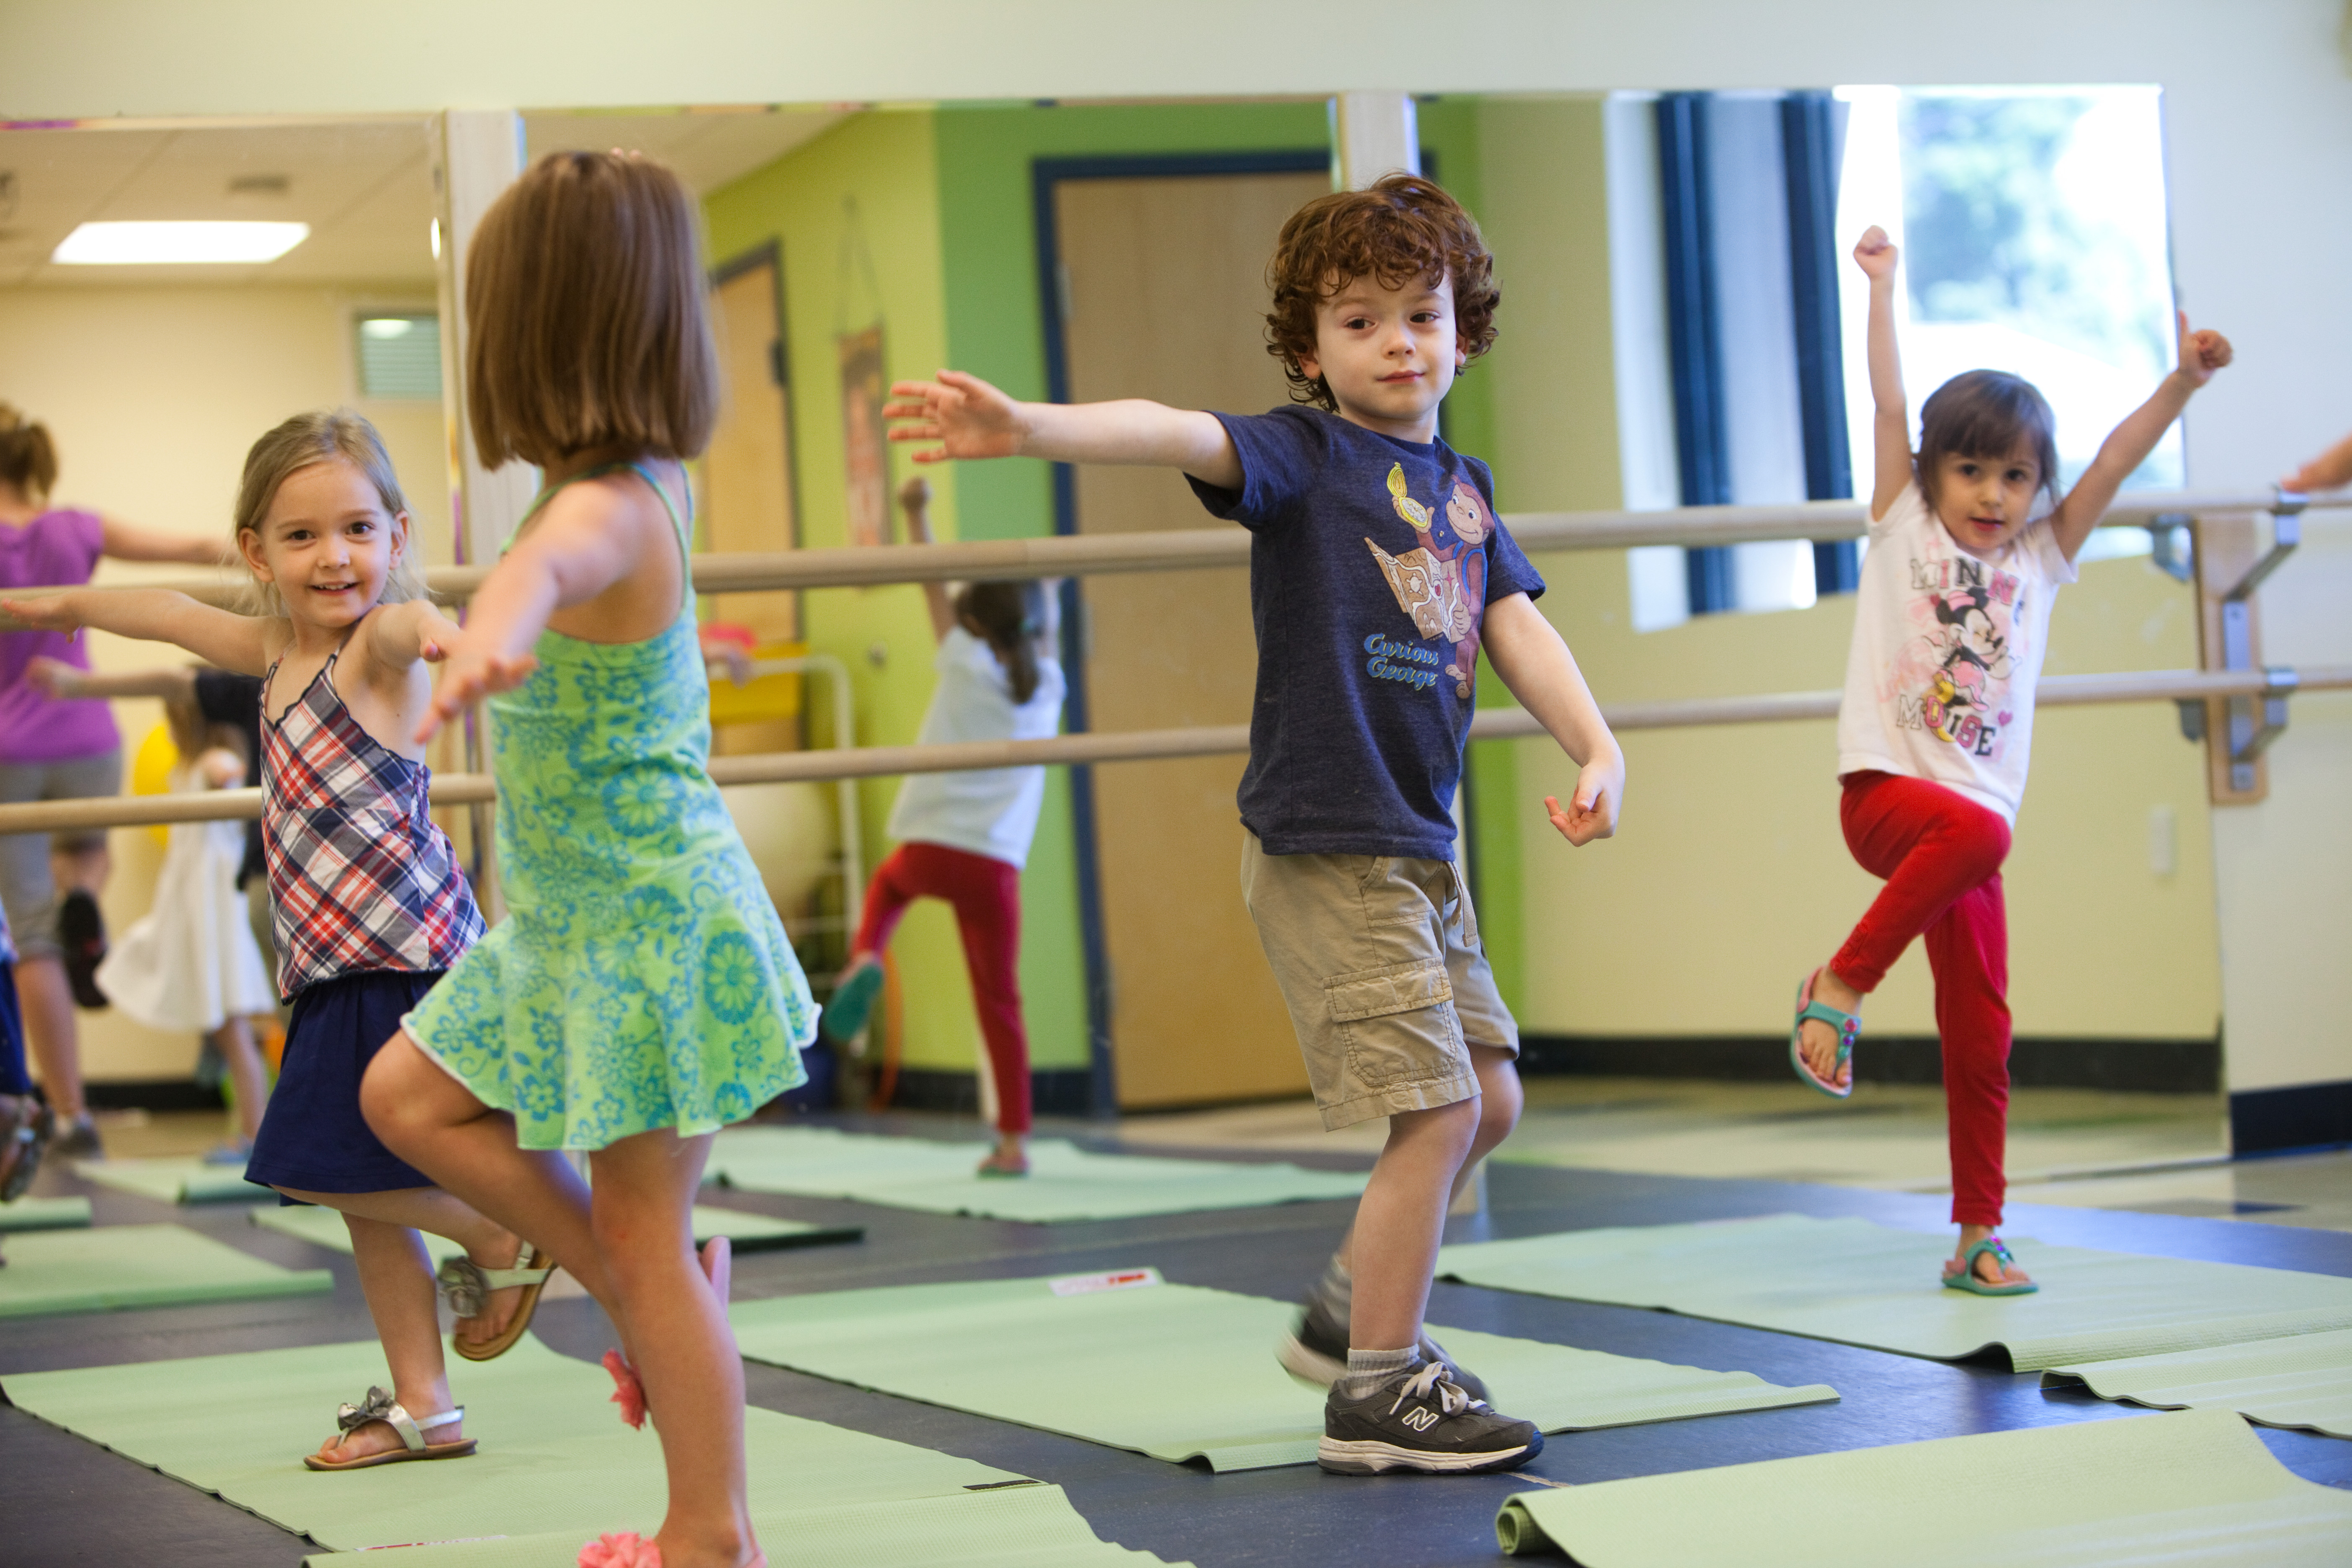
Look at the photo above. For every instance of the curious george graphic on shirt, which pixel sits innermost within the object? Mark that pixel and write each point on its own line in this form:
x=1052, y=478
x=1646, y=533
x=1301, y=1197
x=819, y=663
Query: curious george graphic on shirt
x=1441, y=586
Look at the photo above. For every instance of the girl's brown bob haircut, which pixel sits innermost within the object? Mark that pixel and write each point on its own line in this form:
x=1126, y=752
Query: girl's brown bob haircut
x=584, y=294
x=1991, y=415
x=326, y=436
x=28, y=458
x=1404, y=227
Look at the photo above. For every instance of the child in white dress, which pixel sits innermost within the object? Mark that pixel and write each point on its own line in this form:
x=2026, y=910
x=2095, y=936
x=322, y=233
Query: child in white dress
x=191, y=962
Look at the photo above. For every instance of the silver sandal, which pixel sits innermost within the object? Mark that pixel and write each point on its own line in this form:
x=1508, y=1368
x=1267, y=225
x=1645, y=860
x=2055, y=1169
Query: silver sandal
x=379, y=1406
x=466, y=1285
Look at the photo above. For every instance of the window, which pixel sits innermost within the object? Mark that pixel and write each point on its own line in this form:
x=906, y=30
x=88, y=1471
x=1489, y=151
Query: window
x=2033, y=228
x=399, y=355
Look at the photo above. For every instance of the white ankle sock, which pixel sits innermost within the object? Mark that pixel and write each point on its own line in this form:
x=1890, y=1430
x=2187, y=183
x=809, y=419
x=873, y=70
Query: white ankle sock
x=1367, y=1370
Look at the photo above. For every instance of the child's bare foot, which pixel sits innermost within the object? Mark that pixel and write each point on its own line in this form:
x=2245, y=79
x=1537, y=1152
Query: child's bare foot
x=1989, y=1269
x=1009, y=1158
x=1817, y=1041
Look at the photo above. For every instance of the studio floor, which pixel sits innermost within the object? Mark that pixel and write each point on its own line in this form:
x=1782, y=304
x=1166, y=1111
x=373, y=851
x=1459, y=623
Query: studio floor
x=2135, y=1174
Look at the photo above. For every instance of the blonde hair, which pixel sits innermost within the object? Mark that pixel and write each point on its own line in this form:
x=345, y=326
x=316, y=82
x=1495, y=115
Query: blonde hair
x=28, y=458
x=322, y=435
x=585, y=297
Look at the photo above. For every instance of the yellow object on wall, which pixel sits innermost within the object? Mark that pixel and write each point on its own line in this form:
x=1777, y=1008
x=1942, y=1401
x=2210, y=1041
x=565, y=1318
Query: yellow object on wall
x=150, y=772
x=768, y=697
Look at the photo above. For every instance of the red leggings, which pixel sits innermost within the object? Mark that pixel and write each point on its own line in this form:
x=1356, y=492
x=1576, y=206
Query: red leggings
x=986, y=896
x=1940, y=854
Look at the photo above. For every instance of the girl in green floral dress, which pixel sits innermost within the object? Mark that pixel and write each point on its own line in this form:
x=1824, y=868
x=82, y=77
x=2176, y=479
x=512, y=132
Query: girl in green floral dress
x=640, y=993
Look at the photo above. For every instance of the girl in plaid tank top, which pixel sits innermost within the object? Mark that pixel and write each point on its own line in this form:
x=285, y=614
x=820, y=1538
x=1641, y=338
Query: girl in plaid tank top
x=368, y=905
x=640, y=994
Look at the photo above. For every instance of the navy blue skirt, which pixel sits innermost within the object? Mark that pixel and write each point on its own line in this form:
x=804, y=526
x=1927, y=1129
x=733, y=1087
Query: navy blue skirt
x=13, y=1079
x=313, y=1136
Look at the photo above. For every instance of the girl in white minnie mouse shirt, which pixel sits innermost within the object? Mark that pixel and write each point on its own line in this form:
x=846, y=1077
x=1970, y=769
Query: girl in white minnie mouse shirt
x=1937, y=719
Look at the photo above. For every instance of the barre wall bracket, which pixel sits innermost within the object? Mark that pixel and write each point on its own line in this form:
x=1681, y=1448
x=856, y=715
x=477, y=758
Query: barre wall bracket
x=2256, y=720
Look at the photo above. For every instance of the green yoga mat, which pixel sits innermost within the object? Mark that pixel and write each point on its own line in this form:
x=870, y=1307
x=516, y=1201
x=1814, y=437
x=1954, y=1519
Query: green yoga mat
x=749, y=1232
x=1064, y=1183
x=182, y=1181
x=1177, y=1372
x=554, y=1457
x=2303, y=1381
x=2194, y=1490
x=138, y=1265
x=1865, y=1284
x=45, y=1214
x=1017, y=1526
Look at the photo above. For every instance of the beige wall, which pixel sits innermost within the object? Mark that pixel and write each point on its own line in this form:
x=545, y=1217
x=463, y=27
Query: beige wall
x=154, y=394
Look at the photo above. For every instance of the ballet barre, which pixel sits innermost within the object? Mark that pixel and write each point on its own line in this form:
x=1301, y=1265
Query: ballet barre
x=1200, y=549
x=2181, y=686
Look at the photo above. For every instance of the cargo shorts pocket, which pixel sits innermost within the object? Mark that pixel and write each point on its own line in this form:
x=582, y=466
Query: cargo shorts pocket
x=1396, y=1024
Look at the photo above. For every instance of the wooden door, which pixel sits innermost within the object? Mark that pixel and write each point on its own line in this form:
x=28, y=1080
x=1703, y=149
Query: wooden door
x=747, y=488
x=1164, y=298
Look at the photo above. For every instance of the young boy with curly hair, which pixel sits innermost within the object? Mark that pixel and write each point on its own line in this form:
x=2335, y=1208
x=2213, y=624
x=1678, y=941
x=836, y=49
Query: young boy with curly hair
x=1378, y=569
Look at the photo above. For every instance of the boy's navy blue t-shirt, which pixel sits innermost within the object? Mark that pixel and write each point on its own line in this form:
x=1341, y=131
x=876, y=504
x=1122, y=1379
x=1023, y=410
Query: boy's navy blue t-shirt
x=1373, y=562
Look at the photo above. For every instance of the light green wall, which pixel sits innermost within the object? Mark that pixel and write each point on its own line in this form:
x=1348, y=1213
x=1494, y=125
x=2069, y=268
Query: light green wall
x=883, y=163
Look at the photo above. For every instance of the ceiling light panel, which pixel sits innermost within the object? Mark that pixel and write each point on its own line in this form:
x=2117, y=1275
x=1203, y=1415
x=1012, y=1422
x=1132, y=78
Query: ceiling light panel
x=150, y=244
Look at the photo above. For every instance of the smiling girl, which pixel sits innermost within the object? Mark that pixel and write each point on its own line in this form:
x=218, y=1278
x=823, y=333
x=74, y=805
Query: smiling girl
x=368, y=901
x=1933, y=734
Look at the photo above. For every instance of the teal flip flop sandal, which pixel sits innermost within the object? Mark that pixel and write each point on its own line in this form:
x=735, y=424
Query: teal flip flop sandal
x=1965, y=1276
x=852, y=1003
x=1847, y=1026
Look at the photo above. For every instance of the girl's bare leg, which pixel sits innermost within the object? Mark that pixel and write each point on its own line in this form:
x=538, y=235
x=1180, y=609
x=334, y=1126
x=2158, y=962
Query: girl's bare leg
x=437, y=1213
x=396, y=1276
x=685, y=1351
x=429, y=1119
x=234, y=1040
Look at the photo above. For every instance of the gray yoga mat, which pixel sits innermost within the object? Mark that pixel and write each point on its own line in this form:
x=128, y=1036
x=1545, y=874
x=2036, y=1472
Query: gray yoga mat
x=173, y=1180
x=45, y=1214
x=749, y=1232
x=1065, y=1182
x=1177, y=1372
x=1867, y=1284
x=2193, y=1490
x=1018, y=1525
x=121, y=1266
x=2303, y=1381
x=554, y=1457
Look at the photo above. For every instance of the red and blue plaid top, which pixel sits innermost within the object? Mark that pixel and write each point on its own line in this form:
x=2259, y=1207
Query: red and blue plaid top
x=359, y=876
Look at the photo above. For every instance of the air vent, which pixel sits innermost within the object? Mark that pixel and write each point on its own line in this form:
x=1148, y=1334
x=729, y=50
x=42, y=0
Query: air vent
x=400, y=354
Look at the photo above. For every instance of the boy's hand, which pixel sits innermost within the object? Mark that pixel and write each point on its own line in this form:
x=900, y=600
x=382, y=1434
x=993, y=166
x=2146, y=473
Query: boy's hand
x=969, y=418
x=2203, y=353
x=1592, y=806
x=1875, y=254
x=52, y=676
x=466, y=678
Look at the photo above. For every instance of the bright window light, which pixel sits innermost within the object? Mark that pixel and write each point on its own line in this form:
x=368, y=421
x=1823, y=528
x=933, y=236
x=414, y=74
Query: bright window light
x=170, y=244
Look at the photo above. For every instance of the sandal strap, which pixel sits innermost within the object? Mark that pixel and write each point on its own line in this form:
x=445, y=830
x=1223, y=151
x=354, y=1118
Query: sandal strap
x=379, y=1406
x=1846, y=1023
x=468, y=1285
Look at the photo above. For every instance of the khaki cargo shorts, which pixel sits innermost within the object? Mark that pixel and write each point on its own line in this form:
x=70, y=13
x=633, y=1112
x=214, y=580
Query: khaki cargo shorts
x=1379, y=962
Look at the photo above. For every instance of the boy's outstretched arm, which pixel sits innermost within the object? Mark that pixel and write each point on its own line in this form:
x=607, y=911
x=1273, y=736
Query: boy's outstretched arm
x=239, y=643
x=1890, y=426
x=1535, y=663
x=2128, y=445
x=970, y=418
x=2326, y=472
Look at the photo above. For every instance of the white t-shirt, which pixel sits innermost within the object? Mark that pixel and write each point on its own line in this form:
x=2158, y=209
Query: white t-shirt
x=1947, y=652
x=993, y=811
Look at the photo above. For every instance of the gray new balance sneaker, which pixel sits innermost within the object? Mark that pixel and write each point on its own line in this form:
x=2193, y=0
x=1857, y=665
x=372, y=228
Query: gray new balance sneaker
x=1315, y=1351
x=1422, y=1420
